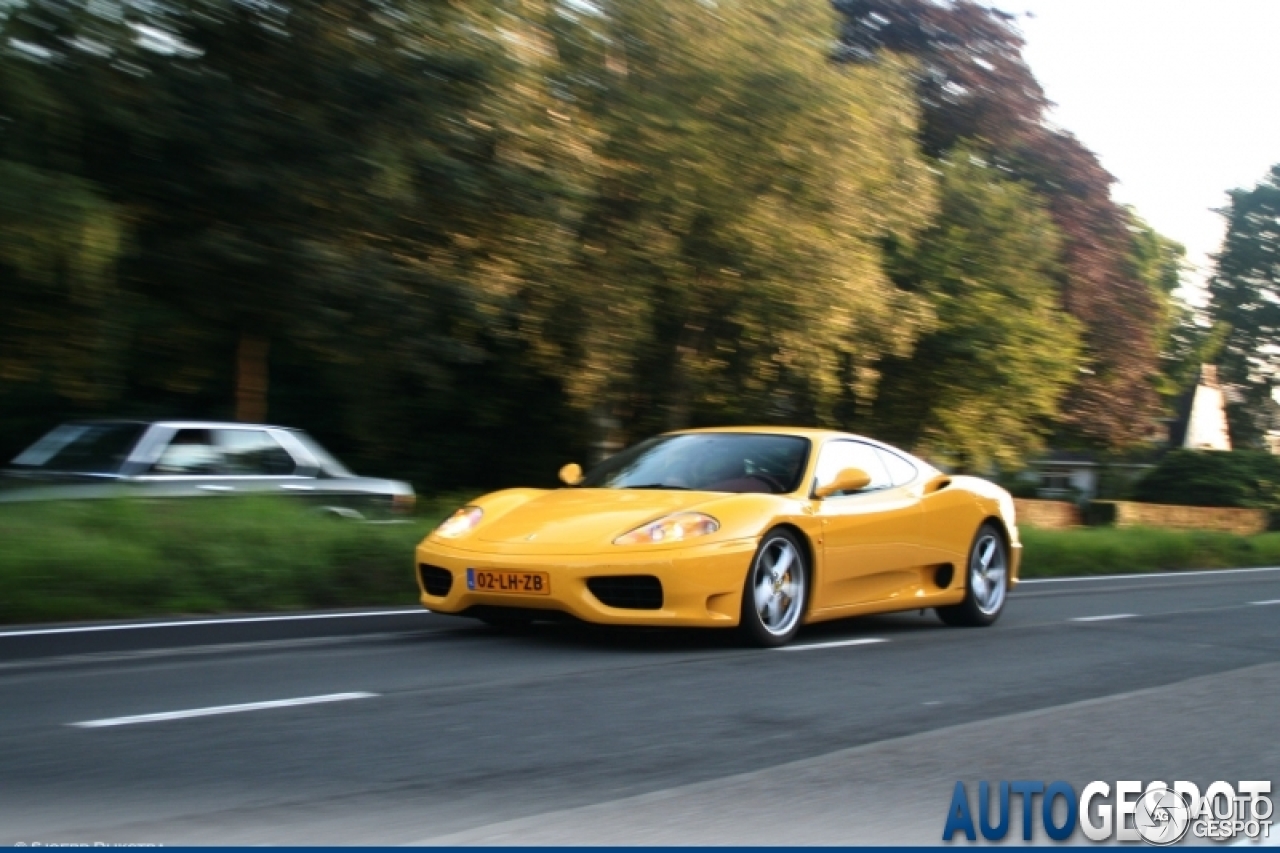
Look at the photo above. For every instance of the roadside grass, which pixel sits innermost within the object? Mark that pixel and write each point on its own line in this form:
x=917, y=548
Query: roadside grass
x=108, y=559
x=1109, y=551
x=103, y=559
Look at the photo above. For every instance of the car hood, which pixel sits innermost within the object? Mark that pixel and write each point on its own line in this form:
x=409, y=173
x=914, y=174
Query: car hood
x=570, y=517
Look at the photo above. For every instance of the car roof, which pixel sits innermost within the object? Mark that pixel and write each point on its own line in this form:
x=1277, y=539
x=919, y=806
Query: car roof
x=801, y=432
x=215, y=425
x=172, y=424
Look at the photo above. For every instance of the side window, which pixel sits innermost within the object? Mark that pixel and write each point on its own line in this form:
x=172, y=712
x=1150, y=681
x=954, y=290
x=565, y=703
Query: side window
x=900, y=470
x=191, y=452
x=839, y=455
x=254, y=453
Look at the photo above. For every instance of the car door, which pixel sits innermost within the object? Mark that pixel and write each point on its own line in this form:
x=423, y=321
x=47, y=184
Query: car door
x=255, y=462
x=181, y=462
x=869, y=537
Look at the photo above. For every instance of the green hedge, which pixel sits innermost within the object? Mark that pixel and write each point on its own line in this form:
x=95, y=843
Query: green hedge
x=126, y=558
x=1241, y=478
x=1105, y=551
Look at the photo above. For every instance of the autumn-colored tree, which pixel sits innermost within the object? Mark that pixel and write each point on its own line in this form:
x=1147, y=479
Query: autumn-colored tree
x=1122, y=314
x=975, y=89
x=971, y=81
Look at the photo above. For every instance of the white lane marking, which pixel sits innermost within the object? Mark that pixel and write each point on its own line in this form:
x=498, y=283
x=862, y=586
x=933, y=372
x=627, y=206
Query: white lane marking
x=861, y=641
x=219, y=709
x=1148, y=575
x=1106, y=618
x=239, y=620
x=1264, y=603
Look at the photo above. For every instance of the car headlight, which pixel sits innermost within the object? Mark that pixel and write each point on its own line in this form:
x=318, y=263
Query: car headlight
x=462, y=521
x=673, y=528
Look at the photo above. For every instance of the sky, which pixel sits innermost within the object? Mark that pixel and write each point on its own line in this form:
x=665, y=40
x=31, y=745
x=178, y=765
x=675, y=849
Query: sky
x=1180, y=99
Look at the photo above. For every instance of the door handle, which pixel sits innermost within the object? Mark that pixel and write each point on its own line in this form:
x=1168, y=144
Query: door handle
x=211, y=488
x=296, y=488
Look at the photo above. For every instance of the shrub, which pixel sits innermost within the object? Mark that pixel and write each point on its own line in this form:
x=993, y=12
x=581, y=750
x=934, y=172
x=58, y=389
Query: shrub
x=65, y=560
x=1105, y=551
x=1239, y=478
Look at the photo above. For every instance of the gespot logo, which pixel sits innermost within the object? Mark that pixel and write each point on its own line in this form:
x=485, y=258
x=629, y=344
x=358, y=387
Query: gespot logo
x=1158, y=814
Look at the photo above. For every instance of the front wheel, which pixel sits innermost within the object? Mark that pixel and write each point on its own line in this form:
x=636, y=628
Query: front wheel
x=776, y=590
x=986, y=584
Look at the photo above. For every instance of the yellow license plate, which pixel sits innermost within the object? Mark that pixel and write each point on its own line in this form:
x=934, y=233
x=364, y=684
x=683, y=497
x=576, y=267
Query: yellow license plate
x=518, y=583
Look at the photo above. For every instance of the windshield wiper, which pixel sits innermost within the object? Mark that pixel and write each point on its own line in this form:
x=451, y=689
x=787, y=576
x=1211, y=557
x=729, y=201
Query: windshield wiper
x=660, y=486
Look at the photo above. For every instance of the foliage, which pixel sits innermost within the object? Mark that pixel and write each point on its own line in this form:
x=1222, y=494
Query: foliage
x=1245, y=291
x=369, y=190
x=1114, y=402
x=1106, y=551
x=1239, y=478
x=984, y=383
x=973, y=83
x=976, y=91
x=419, y=228
x=735, y=236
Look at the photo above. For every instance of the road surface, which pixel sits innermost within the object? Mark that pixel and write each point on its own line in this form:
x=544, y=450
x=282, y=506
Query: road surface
x=403, y=727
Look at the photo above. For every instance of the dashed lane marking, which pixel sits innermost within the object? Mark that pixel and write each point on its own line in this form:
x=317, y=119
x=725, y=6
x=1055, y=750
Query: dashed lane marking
x=1107, y=618
x=219, y=709
x=861, y=641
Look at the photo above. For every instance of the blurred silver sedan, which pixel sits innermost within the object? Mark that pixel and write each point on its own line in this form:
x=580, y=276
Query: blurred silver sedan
x=97, y=459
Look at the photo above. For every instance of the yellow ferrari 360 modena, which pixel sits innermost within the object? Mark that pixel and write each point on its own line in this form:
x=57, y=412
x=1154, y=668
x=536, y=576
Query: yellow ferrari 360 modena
x=762, y=529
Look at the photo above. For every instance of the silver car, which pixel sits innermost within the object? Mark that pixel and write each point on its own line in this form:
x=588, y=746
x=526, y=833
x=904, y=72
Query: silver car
x=96, y=459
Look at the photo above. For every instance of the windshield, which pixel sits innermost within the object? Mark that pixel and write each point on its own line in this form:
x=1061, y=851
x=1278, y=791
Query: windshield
x=710, y=462
x=82, y=448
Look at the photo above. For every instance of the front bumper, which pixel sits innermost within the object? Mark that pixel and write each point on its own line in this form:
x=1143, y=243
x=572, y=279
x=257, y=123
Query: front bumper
x=701, y=584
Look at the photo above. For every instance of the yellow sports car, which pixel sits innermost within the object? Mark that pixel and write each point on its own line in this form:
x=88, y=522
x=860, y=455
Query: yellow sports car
x=762, y=529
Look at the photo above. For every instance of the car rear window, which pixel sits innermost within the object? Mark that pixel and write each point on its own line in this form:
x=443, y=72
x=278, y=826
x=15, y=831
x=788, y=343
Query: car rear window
x=82, y=448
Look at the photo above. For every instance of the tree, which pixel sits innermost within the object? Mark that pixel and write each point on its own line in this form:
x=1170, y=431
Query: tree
x=975, y=90
x=732, y=251
x=372, y=195
x=1113, y=404
x=972, y=82
x=1245, y=295
x=985, y=382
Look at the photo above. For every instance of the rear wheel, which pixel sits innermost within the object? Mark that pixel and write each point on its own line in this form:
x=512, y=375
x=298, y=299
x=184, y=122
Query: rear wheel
x=986, y=583
x=776, y=590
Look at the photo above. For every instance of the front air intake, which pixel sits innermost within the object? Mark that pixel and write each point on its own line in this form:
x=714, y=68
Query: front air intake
x=628, y=592
x=435, y=580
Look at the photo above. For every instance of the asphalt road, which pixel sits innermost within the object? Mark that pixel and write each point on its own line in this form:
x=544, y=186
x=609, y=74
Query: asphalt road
x=418, y=728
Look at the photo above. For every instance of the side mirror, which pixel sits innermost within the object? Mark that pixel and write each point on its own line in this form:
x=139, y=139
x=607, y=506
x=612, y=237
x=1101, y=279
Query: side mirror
x=571, y=474
x=848, y=480
x=937, y=484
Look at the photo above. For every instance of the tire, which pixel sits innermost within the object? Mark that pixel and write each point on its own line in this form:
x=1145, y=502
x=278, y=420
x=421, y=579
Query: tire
x=986, y=583
x=775, y=592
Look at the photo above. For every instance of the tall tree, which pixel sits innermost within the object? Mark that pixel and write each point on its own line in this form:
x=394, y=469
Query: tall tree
x=1121, y=311
x=733, y=247
x=1245, y=293
x=985, y=382
x=975, y=89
